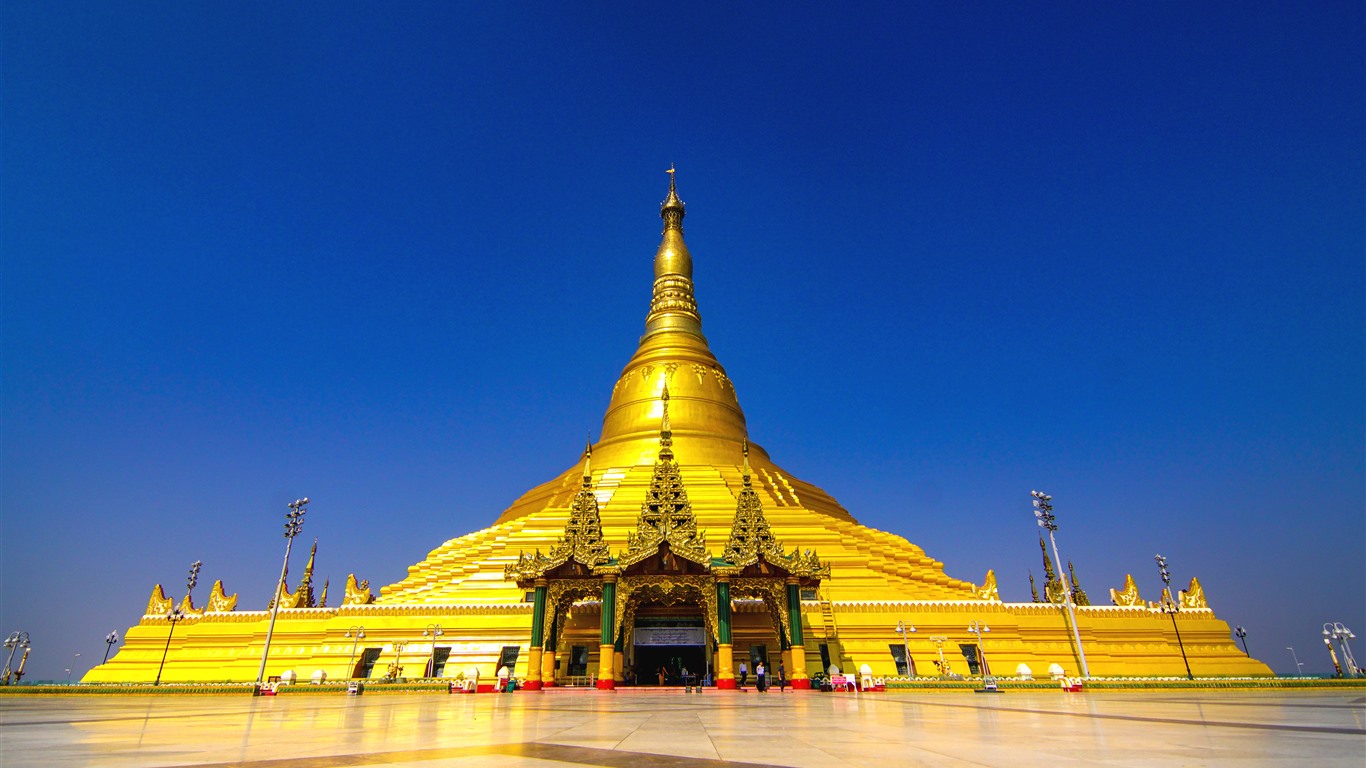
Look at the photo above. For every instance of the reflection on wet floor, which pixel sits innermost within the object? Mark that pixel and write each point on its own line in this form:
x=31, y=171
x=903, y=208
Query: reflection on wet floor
x=670, y=728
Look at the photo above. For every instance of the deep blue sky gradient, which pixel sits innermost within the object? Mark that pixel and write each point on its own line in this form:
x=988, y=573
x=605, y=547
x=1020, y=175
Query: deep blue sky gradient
x=392, y=257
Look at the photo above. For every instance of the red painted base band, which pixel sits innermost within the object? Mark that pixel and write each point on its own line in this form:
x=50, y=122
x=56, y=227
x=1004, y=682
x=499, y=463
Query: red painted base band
x=531, y=685
x=548, y=684
x=802, y=685
x=607, y=685
x=725, y=685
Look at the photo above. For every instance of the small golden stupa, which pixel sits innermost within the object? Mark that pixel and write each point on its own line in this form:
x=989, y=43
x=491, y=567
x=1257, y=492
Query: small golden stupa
x=675, y=543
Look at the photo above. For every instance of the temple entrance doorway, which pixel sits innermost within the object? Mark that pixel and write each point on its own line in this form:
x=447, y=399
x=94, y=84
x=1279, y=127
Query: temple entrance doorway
x=672, y=644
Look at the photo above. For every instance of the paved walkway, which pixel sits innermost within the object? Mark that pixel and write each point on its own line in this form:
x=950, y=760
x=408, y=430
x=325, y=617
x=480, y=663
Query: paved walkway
x=669, y=729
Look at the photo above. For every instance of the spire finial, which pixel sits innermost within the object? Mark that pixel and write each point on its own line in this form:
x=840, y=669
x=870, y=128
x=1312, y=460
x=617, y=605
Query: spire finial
x=587, y=459
x=745, y=450
x=666, y=435
x=671, y=210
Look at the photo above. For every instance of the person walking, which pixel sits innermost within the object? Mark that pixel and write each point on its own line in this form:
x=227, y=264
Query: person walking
x=760, y=681
x=744, y=674
x=782, y=677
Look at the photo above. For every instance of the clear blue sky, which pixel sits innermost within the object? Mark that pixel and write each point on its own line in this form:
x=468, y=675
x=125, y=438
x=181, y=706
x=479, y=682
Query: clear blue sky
x=393, y=256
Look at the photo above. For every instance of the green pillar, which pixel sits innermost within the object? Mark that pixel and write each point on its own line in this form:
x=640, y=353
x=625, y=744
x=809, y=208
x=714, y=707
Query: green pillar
x=794, y=612
x=723, y=611
x=609, y=612
x=538, y=619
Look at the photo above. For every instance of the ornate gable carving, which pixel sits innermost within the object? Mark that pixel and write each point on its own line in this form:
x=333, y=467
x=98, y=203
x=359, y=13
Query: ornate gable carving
x=581, y=543
x=750, y=537
x=666, y=514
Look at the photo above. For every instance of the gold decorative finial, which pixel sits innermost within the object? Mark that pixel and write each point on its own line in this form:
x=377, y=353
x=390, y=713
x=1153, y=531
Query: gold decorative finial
x=671, y=210
x=666, y=434
x=745, y=450
x=673, y=307
x=587, y=458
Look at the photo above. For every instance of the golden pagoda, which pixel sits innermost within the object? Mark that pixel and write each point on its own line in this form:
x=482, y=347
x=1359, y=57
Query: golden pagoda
x=677, y=543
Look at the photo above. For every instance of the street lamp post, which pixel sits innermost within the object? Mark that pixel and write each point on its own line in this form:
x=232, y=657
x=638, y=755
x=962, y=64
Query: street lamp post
x=357, y=632
x=73, y=667
x=174, y=615
x=1043, y=510
x=15, y=641
x=1242, y=635
x=109, y=640
x=294, y=522
x=978, y=628
x=1299, y=665
x=433, y=631
x=905, y=629
x=1337, y=631
x=1170, y=607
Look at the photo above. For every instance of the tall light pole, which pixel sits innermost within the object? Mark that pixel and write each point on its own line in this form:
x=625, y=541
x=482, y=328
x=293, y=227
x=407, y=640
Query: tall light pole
x=294, y=522
x=978, y=628
x=433, y=631
x=1043, y=510
x=15, y=641
x=174, y=615
x=1299, y=665
x=1242, y=635
x=1170, y=607
x=73, y=667
x=904, y=629
x=357, y=632
x=1337, y=631
x=192, y=581
x=109, y=640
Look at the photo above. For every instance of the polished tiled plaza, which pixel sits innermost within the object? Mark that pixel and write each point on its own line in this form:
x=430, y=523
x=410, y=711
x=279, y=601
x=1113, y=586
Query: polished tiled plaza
x=644, y=729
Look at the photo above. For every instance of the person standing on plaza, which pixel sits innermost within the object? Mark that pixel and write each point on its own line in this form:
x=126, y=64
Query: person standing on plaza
x=782, y=677
x=744, y=674
x=760, y=681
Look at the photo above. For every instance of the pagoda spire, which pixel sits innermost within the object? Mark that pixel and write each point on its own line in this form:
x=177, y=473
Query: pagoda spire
x=666, y=515
x=750, y=536
x=583, y=541
x=673, y=307
x=666, y=435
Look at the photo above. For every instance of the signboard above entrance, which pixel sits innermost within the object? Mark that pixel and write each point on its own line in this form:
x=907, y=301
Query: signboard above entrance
x=670, y=636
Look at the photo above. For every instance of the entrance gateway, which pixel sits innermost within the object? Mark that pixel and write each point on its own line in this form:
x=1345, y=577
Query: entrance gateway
x=649, y=595
x=671, y=645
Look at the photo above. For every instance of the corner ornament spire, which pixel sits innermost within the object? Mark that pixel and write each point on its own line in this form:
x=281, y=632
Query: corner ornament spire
x=673, y=307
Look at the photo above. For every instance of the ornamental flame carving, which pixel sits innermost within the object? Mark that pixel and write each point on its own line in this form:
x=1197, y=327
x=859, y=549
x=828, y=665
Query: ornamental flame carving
x=1194, y=595
x=357, y=594
x=187, y=607
x=220, y=602
x=1129, y=595
x=159, y=604
x=989, y=590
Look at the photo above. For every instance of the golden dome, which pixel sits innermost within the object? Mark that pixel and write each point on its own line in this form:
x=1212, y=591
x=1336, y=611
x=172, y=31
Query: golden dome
x=708, y=425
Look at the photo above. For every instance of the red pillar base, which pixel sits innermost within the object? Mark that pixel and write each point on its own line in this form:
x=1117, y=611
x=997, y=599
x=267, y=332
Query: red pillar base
x=607, y=685
x=725, y=685
x=802, y=685
x=531, y=685
x=548, y=684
